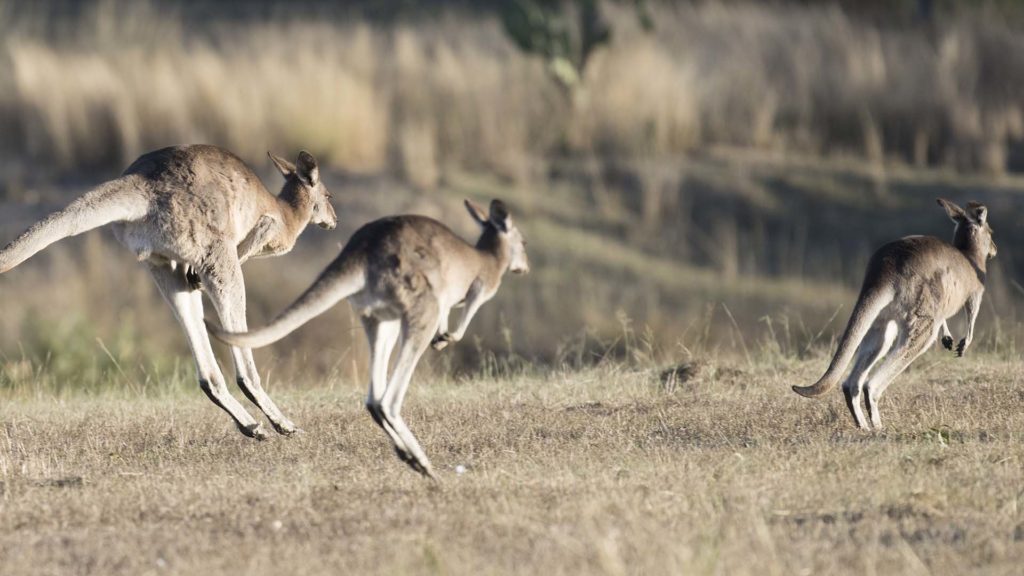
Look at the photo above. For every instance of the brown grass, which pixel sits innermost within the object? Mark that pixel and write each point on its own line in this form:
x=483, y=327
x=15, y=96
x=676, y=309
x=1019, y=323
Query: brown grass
x=419, y=98
x=605, y=471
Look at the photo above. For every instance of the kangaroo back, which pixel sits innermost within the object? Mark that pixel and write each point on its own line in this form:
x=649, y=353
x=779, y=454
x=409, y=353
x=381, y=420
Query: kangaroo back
x=120, y=200
x=343, y=278
x=869, y=305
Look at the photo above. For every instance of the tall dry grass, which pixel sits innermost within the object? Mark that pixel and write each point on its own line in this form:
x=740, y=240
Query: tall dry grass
x=418, y=98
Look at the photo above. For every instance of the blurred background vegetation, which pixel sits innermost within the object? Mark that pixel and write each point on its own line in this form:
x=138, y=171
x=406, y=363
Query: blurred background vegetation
x=694, y=177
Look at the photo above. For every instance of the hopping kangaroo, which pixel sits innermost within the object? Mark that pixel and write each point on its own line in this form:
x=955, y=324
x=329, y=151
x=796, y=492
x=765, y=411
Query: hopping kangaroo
x=911, y=288
x=404, y=274
x=193, y=214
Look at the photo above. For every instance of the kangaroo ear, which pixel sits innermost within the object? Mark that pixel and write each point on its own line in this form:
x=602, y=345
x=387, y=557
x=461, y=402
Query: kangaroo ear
x=955, y=213
x=308, y=171
x=286, y=167
x=499, y=215
x=978, y=211
x=476, y=212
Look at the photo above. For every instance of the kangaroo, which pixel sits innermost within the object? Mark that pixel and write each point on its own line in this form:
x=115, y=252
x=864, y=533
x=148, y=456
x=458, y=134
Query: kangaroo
x=911, y=288
x=192, y=215
x=404, y=274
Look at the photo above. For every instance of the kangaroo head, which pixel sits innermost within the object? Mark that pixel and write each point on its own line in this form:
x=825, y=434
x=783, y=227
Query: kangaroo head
x=972, y=230
x=304, y=180
x=499, y=223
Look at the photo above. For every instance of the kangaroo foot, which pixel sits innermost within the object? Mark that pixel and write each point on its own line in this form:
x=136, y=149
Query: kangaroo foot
x=254, y=431
x=423, y=467
x=947, y=342
x=286, y=428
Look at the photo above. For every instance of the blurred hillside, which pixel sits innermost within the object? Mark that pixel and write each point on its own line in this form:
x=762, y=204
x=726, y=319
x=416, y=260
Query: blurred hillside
x=91, y=85
x=744, y=256
x=694, y=178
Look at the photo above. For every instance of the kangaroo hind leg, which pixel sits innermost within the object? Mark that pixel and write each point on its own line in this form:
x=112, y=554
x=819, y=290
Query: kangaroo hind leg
x=905, y=350
x=875, y=346
x=382, y=336
x=188, y=309
x=226, y=287
x=417, y=331
x=867, y=355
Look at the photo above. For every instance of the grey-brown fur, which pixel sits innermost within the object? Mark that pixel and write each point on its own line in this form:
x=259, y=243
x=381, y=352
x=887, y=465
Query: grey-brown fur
x=193, y=214
x=403, y=275
x=911, y=288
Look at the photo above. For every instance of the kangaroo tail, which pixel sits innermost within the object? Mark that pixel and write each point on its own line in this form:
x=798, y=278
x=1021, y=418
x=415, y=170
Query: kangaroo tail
x=119, y=200
x=868, y=307
x=340, y=280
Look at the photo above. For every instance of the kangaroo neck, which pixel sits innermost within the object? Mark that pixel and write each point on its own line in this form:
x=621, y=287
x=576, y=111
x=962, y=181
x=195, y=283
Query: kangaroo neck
x=494, y=257
x=978, y=261
x=965, y=243
x=295, y=209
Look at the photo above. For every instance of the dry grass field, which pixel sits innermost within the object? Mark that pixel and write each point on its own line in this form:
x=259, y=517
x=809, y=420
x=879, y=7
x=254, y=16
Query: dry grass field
x=603, y=471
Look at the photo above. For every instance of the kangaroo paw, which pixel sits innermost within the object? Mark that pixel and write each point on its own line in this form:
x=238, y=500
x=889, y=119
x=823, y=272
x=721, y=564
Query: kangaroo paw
x=961, y=348
x=441, y=341
x=947, y=342
x=193, y=279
